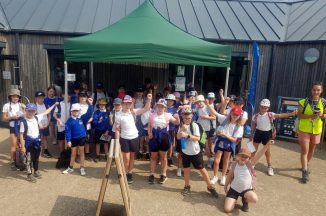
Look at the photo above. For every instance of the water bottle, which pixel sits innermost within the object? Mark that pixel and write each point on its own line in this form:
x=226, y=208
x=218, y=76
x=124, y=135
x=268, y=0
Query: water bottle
x=183, y=143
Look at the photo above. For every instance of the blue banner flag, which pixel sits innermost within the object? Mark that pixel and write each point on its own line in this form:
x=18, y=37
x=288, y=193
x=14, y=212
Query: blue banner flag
x=253, y=80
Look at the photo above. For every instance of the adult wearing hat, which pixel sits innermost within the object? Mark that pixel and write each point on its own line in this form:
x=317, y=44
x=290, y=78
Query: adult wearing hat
x=12, y=112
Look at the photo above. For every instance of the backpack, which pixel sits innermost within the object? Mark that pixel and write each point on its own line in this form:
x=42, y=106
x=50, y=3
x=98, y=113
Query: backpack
x=251, y=171
x=270, y=116
x=64, y=159
x=307, y=101
x=26, y=126
x=20, y=160
x=203, y=135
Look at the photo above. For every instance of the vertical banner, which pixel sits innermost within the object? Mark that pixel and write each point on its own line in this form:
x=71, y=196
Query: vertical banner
x=254, y=78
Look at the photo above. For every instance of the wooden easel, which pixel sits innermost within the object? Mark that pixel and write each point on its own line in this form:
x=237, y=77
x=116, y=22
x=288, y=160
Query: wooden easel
x=115, y=155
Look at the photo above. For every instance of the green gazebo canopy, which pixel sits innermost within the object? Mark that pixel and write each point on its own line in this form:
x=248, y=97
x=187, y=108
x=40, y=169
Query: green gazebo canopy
x=146, y=36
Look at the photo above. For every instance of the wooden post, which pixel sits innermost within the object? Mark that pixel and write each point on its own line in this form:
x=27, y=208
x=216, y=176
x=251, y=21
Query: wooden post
x=116, y=156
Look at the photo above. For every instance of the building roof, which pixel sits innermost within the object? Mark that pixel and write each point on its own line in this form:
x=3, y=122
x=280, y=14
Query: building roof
x=246, y=20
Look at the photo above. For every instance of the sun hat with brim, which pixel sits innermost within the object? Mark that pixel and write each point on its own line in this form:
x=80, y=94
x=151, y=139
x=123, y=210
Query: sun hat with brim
x=192, y=93
x=170, y=97
x=211, y=95
x=161, y=102
x=187, y=110
x=75, y=106
x=117, y=101
x=31, y=107
x=265, y=102
x=127, y=99
x=200, y=98
x=14, y=92
x=245, y=152
x=236, y=111
x=102, y=101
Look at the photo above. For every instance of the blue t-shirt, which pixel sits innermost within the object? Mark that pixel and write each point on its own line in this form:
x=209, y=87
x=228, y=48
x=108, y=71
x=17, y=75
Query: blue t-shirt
x=173, y=111
x=49, y=102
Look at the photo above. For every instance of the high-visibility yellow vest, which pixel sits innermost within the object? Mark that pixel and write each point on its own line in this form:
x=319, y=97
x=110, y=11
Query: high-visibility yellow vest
x=308, y=125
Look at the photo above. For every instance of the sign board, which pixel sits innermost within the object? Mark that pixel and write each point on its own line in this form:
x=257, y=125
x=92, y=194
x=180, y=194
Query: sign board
x=6, y=75
x=180, y=84
x=71, y=77
x=181, y=70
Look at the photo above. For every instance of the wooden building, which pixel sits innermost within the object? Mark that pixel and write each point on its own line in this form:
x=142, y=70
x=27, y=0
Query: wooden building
x=32, y=33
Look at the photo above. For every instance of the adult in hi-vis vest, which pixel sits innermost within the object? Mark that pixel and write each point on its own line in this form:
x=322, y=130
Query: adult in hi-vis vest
x=310, y=113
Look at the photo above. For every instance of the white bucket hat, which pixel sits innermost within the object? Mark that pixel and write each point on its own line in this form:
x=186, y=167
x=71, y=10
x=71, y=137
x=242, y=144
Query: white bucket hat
x=265, y=102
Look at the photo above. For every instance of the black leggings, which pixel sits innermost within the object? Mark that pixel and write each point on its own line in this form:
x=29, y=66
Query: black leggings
x=32, y=155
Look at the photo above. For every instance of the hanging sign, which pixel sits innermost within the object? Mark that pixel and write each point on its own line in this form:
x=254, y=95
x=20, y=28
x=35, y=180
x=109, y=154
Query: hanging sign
x=6, y=75
x=180, y=84
x=71, y=77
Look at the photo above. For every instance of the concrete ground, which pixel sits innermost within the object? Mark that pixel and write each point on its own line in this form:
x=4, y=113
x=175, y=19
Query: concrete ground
x=58, y=194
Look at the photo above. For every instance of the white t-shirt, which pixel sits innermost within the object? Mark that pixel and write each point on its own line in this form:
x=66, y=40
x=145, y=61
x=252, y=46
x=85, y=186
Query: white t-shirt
x=13, y=109
x=193, y=147
x=244, y=114
x=139, y=103
x=161, y=121
x=83, y=110
x=116, y=115
x=145, y=118
x=242, y=179
x=205, y=123
x=126, y=121
x=263, y=122
x=63, y=115
x=32, y=124
x=228, y=129
x=41, y=108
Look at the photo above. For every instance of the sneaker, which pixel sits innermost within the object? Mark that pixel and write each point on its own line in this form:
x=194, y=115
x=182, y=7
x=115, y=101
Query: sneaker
x=214, y=180
x=175, y=154
x=179, y=172
x=130, y=179
x=37, y=174
x=305, y=176
x=270, y=171
x=88, y=157
x=139, y=156
x=97, y=158
x=68, y=170
x=162, y=179
x=46, y=154
x=31, y=178
x=245, y=205
x=147, y=156
x=82, y=171
x=170, y=162
x=13, y=166
x=209, y=164
x=186, y=190
x=213, y=191
x=151, y=179
x=222, y=181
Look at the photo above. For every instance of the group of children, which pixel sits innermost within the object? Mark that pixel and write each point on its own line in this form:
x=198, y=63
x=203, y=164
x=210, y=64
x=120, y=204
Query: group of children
x=149, y=125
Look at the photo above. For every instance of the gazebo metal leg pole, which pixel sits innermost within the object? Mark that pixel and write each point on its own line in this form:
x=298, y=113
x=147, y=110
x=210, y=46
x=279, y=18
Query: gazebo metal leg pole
x=193, y=75
x=66, y=89
x=91, y=66
x=227, y=82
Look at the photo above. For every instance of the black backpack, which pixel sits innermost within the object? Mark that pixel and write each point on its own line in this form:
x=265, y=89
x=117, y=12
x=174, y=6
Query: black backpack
x=64, y=159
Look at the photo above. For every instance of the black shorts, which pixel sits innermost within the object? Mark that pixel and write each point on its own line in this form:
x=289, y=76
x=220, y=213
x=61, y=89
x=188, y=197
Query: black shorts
x=262, y=136
x=234, y=194
x=129, y=145
x=61, y=135
x=162, y=145
x=97, y=136
x=45, y=132
x=78, y=142
x=196, y=160
x=178, y=147
x=12, y=130
x=210, y=133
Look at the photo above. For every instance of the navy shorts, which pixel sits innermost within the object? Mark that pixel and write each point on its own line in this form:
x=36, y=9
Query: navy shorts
x=129, y=145
x=78, y=142
x=61, y=135
x=162, y=145
x=45, y=132
x=97, y=136
x=178, y=147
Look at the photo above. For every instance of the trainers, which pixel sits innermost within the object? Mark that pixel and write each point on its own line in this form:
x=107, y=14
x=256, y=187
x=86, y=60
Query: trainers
x=82, y=171
x=37, y=174
x=213, y=191
x=47, y=154
x=245, y=205
x=31, y=178
x=151, y=179
x=223, y=179
x=130, y=179
x=147, y=156
x=162, y=179
x=175, y=154
x=214, y=180
x=270, y=171
x=88, y=157
x=209, y=164
x=170, y=162
x=13, y=166
x=97, y=158
x=68, y=170
x=179, y=172
x=305, y=176
x=186, y=190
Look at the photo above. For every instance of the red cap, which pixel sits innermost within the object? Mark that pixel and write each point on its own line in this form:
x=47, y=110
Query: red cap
x=236, y=111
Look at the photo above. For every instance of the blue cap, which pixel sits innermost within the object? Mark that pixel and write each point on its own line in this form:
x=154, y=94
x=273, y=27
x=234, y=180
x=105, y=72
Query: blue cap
x=99, y=85
x=31, y=107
